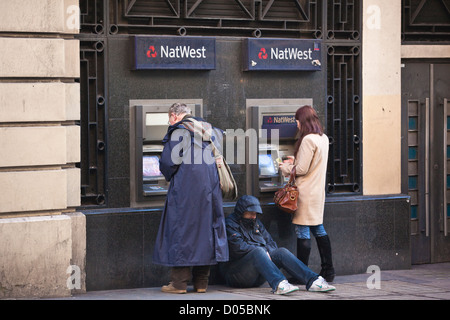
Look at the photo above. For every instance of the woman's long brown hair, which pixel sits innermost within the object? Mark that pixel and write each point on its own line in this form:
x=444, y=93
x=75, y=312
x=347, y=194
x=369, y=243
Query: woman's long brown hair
x=309, y=123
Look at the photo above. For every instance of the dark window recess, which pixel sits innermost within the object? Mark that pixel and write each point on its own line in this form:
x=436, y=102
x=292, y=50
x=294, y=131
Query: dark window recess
x=425, y=21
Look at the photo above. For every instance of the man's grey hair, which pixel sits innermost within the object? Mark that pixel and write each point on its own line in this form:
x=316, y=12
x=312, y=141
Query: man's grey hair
x=179, y=108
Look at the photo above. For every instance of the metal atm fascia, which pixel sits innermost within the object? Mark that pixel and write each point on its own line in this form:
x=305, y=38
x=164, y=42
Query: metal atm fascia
x=141, y=142
x=255, y=114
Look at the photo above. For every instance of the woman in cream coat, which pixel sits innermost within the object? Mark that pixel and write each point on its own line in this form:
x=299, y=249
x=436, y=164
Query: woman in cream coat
x=311, y=157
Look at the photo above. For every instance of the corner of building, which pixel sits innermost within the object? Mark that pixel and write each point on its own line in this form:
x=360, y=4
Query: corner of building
x=43, y=240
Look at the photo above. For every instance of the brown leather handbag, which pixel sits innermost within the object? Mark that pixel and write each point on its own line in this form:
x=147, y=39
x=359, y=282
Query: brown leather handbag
x=286, y=198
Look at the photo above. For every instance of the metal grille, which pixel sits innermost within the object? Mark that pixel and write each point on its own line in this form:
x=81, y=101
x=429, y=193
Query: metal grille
x=425, y=20
x=344, y=97
x=93, y=103
x=267, y=18
x=92, y=17
x=344, y=119
x=93, y=123
x=344, y=20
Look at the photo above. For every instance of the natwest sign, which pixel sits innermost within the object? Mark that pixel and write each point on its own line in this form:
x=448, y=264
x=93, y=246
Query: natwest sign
x=282, y=54
x=285, y=124
x=174, y=53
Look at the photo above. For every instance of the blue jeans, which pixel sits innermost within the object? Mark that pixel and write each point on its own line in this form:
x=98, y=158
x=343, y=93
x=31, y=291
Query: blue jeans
x=256, y=267
x=303, y=232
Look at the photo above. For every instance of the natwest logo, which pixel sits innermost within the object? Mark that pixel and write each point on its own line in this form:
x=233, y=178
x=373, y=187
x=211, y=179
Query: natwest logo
x=177, y=52
x=263, y=54
x=285, y=54
x=279, y=119
x=290, y=54
x=282, y=54
x=196, y=53
x=151, y=53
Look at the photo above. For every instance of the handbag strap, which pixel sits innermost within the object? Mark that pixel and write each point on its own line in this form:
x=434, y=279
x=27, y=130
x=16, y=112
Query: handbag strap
x=292, y=176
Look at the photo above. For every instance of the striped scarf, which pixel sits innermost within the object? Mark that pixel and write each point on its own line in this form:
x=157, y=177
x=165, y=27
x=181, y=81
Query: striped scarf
x=199, y=128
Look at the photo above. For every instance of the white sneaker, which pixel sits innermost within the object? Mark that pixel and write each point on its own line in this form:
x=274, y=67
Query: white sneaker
x=320, y=285
x=284, y=287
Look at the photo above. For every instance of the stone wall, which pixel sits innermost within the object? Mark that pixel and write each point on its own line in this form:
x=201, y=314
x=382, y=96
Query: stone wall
x=39, y=148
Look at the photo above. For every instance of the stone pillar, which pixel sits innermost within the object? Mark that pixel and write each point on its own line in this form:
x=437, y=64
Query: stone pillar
x=39, y=148
x=382, y=97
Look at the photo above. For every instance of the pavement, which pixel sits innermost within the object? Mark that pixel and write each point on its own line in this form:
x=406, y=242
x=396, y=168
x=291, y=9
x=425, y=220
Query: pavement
x=421, y=282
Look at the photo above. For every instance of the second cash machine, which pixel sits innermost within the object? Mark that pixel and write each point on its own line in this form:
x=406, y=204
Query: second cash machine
x=276, y=136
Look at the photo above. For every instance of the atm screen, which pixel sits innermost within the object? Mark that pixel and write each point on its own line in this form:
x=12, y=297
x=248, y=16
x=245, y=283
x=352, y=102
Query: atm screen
x=156, y=125
x=156, y=119
x=150, y=167
x=266, y=165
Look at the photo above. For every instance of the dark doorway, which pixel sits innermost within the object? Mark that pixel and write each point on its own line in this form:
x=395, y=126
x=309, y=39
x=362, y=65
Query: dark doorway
x=426, y=111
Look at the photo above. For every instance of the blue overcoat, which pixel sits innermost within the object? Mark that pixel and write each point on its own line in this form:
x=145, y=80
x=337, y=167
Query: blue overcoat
x=192, y=229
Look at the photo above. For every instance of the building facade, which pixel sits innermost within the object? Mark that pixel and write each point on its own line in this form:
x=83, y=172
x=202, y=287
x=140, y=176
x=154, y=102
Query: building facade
x=82, y=95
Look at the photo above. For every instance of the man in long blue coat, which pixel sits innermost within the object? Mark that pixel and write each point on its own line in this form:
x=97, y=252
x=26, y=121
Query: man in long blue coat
x=192, y=233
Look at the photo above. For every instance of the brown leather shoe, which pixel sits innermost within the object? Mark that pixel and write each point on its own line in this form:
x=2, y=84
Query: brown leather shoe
x=171, y=289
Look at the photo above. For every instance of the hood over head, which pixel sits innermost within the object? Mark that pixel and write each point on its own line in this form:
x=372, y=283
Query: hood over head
x=247, y=203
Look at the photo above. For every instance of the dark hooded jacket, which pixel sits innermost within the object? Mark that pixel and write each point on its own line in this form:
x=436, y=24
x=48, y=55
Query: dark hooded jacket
x=192, y=228
x=244, y=237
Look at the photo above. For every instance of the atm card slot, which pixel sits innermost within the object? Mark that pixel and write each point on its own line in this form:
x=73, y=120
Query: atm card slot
x=268, y=186
x=153, y=190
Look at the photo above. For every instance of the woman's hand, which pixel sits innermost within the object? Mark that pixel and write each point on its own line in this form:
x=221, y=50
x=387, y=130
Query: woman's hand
x=289, y=160
x=286, y=162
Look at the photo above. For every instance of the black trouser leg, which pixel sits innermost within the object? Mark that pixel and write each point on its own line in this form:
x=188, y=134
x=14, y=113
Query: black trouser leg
x=303, y=250
x=324, y=246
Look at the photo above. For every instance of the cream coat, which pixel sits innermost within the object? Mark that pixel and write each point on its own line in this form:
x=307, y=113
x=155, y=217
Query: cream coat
x=311, y=169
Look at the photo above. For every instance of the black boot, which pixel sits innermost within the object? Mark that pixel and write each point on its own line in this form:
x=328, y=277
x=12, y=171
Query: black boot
x=324, y=246
x=303, y=250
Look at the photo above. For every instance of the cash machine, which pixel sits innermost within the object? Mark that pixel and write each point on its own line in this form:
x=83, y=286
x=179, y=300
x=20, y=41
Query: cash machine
x=276, y=136
x=149, y=121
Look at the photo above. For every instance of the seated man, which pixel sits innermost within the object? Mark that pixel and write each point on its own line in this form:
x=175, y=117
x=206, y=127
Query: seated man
x=256, y=258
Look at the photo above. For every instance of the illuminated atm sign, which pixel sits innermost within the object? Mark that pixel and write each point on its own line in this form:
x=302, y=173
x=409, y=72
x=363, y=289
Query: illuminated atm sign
x=286, y=125
x=282, y=54
x=174, y=53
